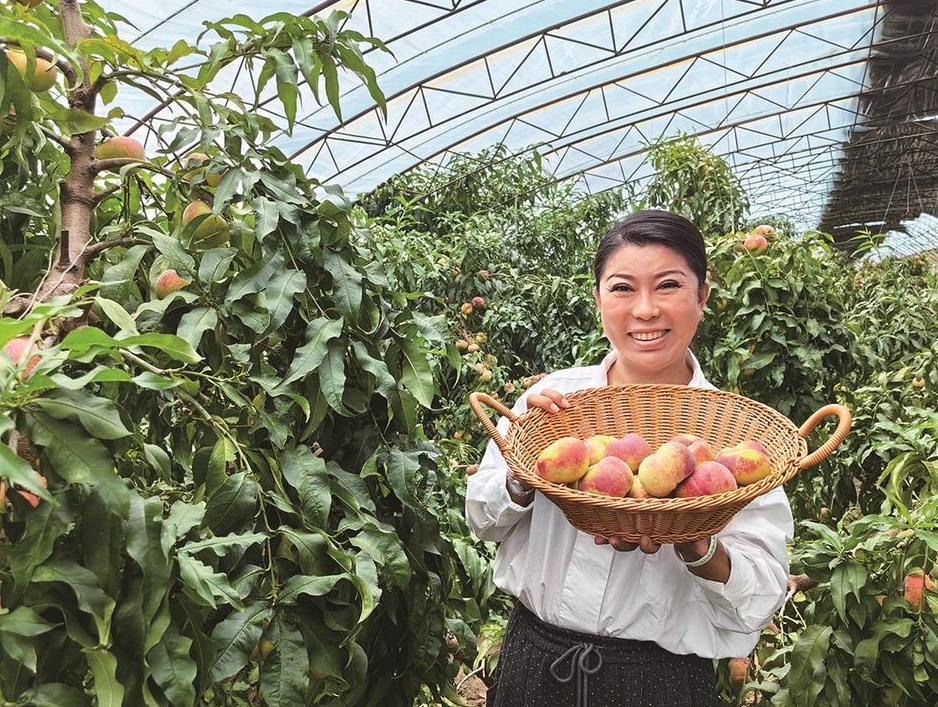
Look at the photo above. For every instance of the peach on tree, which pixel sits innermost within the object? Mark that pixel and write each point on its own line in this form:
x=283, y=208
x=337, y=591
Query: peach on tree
x=211, y=230
x=120, y=147
x=41, y=78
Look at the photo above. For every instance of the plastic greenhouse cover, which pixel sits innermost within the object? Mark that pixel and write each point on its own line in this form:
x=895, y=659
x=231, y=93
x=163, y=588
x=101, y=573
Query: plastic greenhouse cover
x=770, y=85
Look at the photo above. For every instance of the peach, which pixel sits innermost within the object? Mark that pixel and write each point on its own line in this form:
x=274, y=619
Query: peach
x=685, y=438
x=764, y=229
x=43, y=76
x=756, y=243
x=563, y=461
x=120, y=146
x=211, y=229
x=478, y=302
x=631, y=448
x=637, y=490
x=610, y=476
x=707, y=478
x=753, y=444
x=597, y=445
x=701, y=450
x=739, y=670
x=168, y=282
x=19, y=350
x=914, y=584
x=662, y=470
x=748, y=465
x=466, y=308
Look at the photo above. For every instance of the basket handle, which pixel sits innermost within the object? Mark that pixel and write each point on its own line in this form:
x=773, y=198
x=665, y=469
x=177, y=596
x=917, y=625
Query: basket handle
x=843, y=427
x=476, y=401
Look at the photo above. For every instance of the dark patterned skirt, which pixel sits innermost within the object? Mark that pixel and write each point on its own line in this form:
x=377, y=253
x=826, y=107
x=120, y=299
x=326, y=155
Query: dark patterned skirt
x=541, y=665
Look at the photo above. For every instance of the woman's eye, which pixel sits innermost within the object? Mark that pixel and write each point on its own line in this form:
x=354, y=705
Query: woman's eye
x=621, y=287
x=669, y=284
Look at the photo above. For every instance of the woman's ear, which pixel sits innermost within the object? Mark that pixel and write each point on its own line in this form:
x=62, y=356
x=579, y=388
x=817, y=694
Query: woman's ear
x=703, y=294
x=596, y=296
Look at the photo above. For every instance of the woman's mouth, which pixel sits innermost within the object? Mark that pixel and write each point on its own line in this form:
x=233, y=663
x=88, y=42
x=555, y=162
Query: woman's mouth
x=648, y=335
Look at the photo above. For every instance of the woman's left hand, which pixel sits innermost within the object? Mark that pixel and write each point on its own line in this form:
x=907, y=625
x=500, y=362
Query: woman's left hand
x=690, y=550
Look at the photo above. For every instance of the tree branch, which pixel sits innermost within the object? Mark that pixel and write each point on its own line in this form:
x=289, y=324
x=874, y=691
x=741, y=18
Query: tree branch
x=96, y=248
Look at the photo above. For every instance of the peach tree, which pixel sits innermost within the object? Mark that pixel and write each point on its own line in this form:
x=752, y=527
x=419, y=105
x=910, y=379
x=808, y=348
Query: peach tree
x=215, y=485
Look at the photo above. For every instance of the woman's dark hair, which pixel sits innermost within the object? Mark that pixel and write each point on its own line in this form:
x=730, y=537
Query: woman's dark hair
x=656, y=227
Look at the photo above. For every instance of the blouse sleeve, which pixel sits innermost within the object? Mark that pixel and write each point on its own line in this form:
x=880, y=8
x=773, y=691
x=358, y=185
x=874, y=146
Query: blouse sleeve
x=756, y=540
x=490, y=512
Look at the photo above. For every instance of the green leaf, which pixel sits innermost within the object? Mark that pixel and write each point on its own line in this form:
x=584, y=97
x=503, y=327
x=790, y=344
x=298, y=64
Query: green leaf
x=194, y=323
x=87, y=589
x=279, y=294
x=233, y=505
x=311, y=354
x=317, y=586
x=19, y=473
x=285, y=672
x=143, y=531
x=416, y=374
x=254, y=279
x=234, y=639
x=332, y=376
x=99, y=416
x=174, y=670
x=215, y=264
x=56, y=694
x=306, y=473
x=108, y=690
x=117, y=314
x=847, y=578
x=45, y=525
x=807, y=675
x=204, y=585
x=346, y=284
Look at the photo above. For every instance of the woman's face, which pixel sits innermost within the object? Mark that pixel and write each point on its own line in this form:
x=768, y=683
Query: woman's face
x=651, y=302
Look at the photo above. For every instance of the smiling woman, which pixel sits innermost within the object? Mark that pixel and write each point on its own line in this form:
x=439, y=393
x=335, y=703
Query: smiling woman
x=594, y=617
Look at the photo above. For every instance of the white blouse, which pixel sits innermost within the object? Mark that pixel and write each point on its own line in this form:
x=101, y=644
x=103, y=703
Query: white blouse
x=561, y=575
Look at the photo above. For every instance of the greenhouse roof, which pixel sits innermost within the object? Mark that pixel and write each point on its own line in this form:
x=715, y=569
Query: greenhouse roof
x=825, y=109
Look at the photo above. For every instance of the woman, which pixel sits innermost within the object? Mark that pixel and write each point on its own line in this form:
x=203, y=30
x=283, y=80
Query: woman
x=603, y=621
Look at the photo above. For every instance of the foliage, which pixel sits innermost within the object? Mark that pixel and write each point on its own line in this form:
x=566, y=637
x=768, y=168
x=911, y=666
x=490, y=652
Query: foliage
x=690, y=180
x=494, y=229
x=242, y=506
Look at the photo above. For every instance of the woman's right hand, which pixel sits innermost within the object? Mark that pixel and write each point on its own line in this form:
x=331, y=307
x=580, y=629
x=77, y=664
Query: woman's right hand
x=548, y=399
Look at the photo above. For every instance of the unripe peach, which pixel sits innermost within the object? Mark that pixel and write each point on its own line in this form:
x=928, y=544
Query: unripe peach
x=662, y=470
x=563, y=461
x=707, y=478
x=631, y=448
x=485, y=376
x=43, y=76
x=610, y=476
x=168, y=282
x=120, y=146
x=472, y=348
x=747, y=464
x=211, y=231
x=195, y=164
x=462, y=344
x=755, y=244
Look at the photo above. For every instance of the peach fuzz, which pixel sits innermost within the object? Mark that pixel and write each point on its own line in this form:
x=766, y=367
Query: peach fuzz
x=563, y=461
x=610, y=476
x=748, y=465
x=708, y=478
x=631, y=448
x=662, y=470
x=701, y=450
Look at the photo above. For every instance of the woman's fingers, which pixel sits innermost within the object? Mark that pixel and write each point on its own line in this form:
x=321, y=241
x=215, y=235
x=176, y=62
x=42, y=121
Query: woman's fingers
x=645, y=544
x=548, y=399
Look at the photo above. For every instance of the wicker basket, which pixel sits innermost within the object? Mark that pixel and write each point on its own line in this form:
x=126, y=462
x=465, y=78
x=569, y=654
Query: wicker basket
x=657, y=412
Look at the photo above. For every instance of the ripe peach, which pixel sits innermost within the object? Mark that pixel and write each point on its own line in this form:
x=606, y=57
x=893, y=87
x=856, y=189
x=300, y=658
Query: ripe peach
x=31, y=498
x=914, y=584
x=597, y=445
x=563, y=461
x=478, y=302
x=168, y=282
x=610, y=476
x=753, y=444
x=764, y=229
x=630, y=448
x=755, y=243
x=662, y=470
x=43, y=76
x=685, y=438
x=739, y=671
x=466, y=308
x=707, y=478
x=748, y=465
x=19, y=350
x=701, y=450
x=637, y=490
x=120, y=146
x=195, y=164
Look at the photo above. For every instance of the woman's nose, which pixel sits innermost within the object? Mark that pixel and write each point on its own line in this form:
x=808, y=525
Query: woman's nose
x=645, y=307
